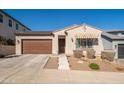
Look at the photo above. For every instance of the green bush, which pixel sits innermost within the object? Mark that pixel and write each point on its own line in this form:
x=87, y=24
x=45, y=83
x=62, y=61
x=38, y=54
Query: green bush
x=108, y=55
x=94, y=66
x=90, y=53
x=78, y=53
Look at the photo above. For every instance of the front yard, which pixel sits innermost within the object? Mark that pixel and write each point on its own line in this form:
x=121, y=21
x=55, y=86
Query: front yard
x=83, y=64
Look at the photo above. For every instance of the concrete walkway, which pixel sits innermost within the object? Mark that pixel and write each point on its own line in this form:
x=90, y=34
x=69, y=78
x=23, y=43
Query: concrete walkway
x=63, y=62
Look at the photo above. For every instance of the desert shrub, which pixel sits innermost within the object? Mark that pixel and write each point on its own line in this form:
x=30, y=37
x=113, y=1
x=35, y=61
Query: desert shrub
x=78, y=53
x=3, y=40
x=108, y=55
x=90, y=53
x=94, y=66
x=10, y=42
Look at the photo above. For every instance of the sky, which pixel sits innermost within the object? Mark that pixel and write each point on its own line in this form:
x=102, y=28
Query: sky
x=53, y=19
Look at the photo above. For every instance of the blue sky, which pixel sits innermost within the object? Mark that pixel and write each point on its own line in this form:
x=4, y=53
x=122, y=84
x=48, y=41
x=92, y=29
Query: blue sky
x=47, y=19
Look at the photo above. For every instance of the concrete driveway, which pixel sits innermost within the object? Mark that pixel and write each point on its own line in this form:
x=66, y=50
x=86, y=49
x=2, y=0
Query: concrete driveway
x=26, y=65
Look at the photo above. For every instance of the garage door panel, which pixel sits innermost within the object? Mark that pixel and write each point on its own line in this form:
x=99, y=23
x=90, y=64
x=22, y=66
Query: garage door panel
x=121, y=51
x=43, y=46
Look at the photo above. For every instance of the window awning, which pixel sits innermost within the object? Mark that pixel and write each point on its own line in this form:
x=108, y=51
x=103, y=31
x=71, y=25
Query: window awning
x=87, y=35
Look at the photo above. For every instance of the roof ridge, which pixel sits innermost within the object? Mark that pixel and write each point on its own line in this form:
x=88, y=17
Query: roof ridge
x=93, y=26
x=74, y=25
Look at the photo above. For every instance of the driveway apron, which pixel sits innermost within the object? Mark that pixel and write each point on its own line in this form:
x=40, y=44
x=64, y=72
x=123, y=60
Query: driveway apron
x=24, y=67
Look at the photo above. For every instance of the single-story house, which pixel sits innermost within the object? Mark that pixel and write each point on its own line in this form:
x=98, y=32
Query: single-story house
x=67, y=40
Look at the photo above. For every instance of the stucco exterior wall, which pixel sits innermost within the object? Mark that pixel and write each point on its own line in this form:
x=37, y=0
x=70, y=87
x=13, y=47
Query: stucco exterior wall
x=7, y=31
x=98, y=48
x=71, y=35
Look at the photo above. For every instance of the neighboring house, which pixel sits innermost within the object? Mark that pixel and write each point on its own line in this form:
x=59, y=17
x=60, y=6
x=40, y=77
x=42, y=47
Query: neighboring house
x=114, y=40
x=116, y=32
x=61, y=41
x=9, y=25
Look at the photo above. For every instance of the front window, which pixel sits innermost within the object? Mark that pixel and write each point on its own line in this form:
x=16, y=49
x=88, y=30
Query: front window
x=1, y=18
x=10, y=23
x=84, y=43
x=89, y=43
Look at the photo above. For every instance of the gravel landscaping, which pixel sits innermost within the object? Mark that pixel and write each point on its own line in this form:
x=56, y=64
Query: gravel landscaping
x=52, y=63
x=83, y=64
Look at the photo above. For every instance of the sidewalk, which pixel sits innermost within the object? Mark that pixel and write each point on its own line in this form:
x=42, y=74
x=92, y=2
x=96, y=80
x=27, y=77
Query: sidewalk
x=49, y=76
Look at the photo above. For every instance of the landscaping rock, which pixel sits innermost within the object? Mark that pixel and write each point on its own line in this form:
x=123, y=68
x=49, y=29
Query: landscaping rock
x=108, y=55
x=78, y=53
x=90, y=53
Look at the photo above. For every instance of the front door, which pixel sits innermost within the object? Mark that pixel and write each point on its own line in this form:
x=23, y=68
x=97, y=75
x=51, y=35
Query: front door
x=61, y=45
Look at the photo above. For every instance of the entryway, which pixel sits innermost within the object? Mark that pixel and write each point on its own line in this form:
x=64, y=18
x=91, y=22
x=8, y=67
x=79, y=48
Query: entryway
x=61, y=44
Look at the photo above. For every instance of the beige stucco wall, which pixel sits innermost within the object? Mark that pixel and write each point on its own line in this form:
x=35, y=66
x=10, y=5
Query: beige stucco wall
x=7, y=31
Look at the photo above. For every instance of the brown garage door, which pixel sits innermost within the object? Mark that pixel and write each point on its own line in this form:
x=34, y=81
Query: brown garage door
x=43, y=46
x=121, y=51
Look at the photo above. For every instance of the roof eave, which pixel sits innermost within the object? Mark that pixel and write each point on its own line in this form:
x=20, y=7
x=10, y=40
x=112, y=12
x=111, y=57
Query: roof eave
x=34, y=34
